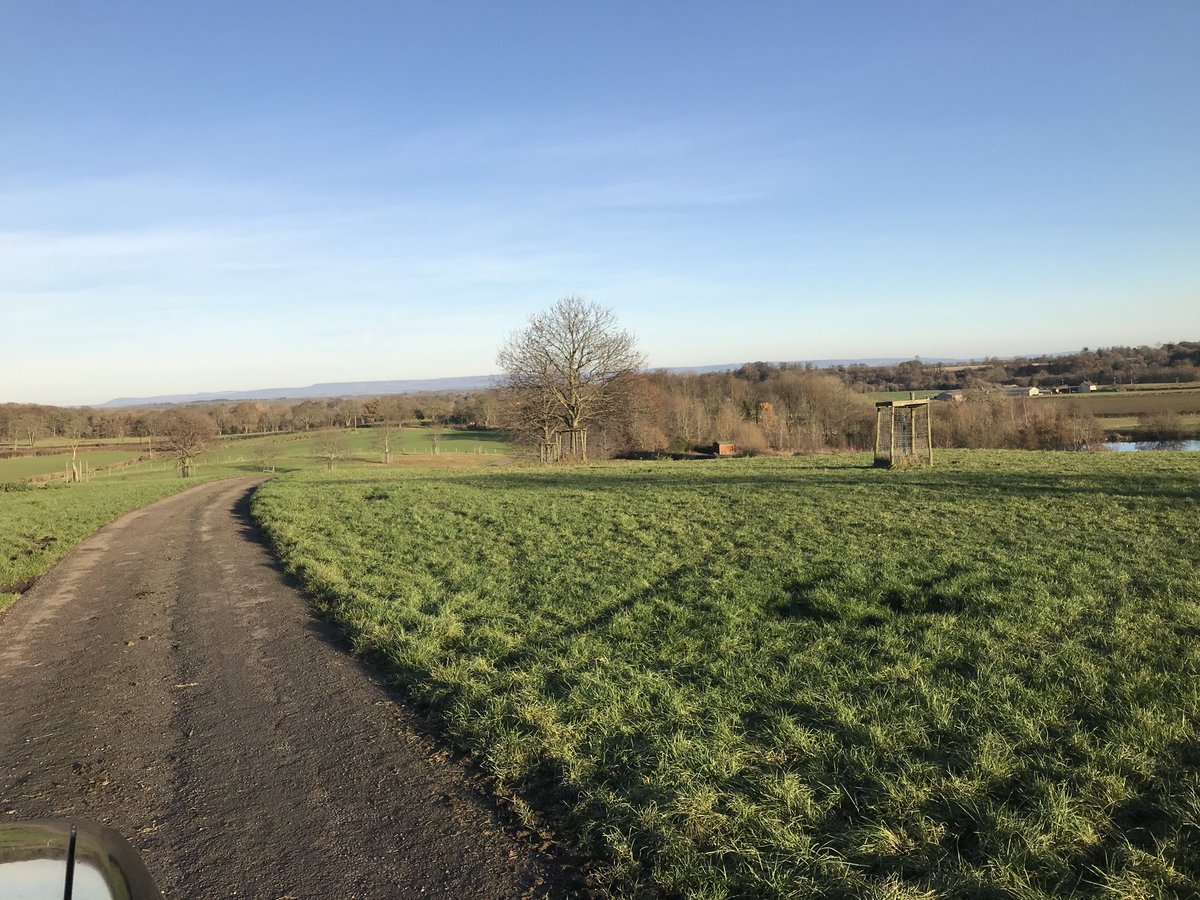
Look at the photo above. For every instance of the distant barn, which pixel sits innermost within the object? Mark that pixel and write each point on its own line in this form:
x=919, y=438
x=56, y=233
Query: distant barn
x=724, y=448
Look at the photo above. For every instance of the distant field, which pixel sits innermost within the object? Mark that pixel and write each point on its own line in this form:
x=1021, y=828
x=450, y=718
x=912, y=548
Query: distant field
x=288, y=450
x=32, y=466
x=1156, y=386
x=802, y=677
x=1131, y=424
x=58, y=442
x=1132, y=403
x=1143, y=401
x=363, y=446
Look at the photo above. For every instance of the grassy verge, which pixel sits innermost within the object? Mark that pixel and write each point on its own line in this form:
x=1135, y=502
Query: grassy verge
x=41, y=523
x=794, y=678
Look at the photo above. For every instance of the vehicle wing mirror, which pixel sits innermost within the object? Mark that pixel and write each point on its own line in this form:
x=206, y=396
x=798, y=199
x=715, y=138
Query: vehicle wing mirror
x=77, y=861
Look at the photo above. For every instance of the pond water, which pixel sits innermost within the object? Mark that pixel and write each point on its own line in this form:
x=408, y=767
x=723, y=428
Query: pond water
x=1136, y=446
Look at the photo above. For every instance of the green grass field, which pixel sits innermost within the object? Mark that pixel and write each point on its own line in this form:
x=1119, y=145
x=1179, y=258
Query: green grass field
x=40, y=523
x=800, y=678
x=1131, y=403
x=365, y=444
x=1156, y=386
x=301, y=450
x=22, y=467
x=288, y=450
x=19, y=467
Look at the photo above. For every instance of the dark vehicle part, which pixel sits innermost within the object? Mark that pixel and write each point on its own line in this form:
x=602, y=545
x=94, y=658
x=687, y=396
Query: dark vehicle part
x=42, y=859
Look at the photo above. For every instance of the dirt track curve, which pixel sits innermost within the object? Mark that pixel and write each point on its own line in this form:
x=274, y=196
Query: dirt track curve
x=165, y=679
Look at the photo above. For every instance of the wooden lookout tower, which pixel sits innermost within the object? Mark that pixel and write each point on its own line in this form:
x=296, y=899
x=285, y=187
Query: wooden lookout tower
x=903, y=433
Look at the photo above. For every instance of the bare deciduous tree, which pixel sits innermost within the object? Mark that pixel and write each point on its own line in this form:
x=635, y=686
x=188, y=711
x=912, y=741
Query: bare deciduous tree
x=332, y=446
x=73, y=435
x=265, y=452
x=389, y=414
x=350, y=412
x=187, y=433
x=532, y=418
x=571, y=367
x=308, y=414
x=244, y=415
x=28, y=427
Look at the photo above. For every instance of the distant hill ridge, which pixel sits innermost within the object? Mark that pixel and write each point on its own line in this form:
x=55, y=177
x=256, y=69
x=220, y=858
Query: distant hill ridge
x=428, y=385
x=314, y=391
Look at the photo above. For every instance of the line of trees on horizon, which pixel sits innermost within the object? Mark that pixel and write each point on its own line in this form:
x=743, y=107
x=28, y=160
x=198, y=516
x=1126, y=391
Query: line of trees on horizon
x=22, y=425
x=1118, y=366
x=760, y=407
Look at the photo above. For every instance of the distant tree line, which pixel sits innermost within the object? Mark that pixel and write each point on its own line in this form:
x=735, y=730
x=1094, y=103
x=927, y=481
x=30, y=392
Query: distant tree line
x=792, y=409
x=1118, y=366
x=23, y=424
x=760, y=407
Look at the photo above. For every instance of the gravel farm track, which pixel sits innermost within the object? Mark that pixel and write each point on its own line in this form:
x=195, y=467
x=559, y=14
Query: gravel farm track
x=166, y=679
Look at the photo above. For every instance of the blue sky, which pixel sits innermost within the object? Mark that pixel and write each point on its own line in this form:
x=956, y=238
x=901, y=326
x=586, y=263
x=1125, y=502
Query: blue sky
x=231, y=195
